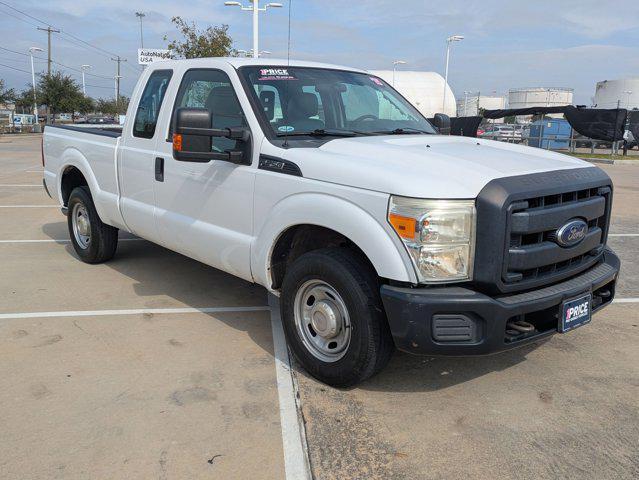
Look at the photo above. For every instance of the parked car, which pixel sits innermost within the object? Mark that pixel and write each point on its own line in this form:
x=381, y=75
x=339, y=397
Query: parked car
x=503, y=133
x=374, y=231
x=101, y=120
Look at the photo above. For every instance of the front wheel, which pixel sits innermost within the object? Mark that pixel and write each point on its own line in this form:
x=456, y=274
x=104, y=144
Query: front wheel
x=92, y=240
x=333, y=317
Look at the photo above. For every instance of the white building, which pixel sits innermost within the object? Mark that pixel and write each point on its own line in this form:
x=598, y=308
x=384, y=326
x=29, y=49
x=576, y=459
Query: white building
x=539, y=97
x=625, y=91
x=469, y=105
x=425, y=90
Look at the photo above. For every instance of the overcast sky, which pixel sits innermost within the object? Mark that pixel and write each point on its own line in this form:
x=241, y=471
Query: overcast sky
x=509, y=44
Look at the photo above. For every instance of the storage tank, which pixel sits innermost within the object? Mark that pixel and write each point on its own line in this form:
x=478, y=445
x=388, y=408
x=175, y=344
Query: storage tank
x=469, y=106
x=625, y=91
x=539, y=97
x=425, y=90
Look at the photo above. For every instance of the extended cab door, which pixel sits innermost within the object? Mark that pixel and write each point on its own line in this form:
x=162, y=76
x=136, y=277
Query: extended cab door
x=138, y=158
x=204, y=210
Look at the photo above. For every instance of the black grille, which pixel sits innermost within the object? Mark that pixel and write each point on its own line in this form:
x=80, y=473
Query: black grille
x=533, y=253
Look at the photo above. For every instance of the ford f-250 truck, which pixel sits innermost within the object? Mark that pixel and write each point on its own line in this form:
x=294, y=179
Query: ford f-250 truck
x=324, y=185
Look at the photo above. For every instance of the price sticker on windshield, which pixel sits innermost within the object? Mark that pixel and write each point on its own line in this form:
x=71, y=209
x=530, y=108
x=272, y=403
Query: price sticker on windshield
x=275, y=74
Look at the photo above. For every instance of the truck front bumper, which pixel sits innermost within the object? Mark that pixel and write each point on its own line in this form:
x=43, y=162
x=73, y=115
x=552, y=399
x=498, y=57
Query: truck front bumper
x=459, y=321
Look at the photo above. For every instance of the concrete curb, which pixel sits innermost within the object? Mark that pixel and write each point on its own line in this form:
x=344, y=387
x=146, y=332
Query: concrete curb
x=604, y=161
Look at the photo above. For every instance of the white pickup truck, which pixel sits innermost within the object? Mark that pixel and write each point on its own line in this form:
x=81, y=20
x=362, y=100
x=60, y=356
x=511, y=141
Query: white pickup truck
x=324, y=185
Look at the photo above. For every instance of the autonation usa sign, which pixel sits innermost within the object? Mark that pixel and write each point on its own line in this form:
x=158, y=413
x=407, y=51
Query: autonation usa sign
x=150, y=55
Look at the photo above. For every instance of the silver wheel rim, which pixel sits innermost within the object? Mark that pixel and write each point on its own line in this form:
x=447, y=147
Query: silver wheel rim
x=81, y=225
x=322, y=321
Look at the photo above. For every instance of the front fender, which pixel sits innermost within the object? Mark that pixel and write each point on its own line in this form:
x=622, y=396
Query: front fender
x=385, y=252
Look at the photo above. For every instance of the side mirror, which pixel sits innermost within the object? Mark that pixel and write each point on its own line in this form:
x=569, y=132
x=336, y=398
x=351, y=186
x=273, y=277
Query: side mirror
x=193, y=135
x=442, y=122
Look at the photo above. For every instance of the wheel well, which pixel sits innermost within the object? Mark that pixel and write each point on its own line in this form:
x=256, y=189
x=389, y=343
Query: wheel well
x=71, y=178
x=300, y=239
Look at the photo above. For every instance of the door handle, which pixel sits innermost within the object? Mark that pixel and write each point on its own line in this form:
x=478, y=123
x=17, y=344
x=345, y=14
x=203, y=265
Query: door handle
x=159, y=169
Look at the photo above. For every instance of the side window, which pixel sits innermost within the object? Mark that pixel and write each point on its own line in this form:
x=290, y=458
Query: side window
x=146, y=117
x=212, y=89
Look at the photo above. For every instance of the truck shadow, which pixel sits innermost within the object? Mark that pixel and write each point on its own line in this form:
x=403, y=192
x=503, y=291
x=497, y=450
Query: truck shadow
x=166, y=277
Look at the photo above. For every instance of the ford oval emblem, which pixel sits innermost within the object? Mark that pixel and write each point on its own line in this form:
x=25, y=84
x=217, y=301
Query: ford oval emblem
x=572, y=233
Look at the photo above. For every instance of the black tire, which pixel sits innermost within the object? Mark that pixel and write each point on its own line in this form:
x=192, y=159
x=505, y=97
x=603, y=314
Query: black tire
x=103, y=239
x=371, y=344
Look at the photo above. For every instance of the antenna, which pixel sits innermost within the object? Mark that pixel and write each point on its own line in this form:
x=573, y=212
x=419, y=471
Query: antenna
x=288, y=66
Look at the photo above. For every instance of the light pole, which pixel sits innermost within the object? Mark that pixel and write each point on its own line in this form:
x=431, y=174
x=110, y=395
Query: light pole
x=35, y=100
x=395, y=63
x=141, y=15
x=449, y=40
x=84, y=85
x=255, y=8
x=628, y=92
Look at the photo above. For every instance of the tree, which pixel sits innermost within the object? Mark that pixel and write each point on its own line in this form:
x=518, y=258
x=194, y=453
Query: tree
x=24, y=99
x=212, y=42
x=59, y=92
x=85, y=105
x=109, y=107
x=7, y=95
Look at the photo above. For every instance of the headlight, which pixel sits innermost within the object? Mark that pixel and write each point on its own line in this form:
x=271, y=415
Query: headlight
x=439, y=235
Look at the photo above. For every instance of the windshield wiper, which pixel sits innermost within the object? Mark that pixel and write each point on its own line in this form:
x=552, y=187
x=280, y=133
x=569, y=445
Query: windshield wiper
x=321, y=132
x=403, y=131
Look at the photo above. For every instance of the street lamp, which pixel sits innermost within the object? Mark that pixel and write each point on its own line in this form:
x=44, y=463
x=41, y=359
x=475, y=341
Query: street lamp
x=84, y=85
x=255, y=8
x=449, y=40
x=35, y=100
x=141, y=15
x=628, y=92
x=395, y=63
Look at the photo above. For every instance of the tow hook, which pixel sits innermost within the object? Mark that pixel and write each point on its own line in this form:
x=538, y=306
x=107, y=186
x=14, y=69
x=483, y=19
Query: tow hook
x=518, y=328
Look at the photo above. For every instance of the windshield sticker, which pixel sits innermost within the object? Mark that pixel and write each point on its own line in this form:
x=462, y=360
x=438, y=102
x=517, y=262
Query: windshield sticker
x=377, y=81
x=275, y=74
x=285, y=128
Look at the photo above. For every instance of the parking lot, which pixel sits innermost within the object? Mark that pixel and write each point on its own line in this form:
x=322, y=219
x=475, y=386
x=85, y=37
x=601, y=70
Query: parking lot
x=155, y=366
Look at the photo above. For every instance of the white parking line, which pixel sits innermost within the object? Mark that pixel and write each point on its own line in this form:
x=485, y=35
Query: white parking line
x=133, y=311
x=623, y=234
x=29, y=206
x=296, y=463
x=51, y=240
x=626, y=300
x=19, y=185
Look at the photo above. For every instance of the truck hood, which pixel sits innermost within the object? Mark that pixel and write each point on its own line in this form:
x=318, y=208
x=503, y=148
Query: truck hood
x=423, y=166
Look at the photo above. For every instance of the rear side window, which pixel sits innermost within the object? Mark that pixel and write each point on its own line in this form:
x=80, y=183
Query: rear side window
x=146, y=118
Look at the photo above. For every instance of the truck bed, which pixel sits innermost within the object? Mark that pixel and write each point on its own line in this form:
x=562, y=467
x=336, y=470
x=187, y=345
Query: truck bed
x=106, y=131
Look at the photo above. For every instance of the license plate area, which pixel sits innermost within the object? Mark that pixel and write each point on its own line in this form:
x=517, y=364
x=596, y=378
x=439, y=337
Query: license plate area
x=575, y=312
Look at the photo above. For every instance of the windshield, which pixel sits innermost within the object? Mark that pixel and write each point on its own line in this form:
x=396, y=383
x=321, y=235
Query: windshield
x=317, y=101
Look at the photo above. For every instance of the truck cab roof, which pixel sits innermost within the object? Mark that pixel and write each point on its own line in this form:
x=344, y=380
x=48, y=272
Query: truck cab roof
x=238, y=62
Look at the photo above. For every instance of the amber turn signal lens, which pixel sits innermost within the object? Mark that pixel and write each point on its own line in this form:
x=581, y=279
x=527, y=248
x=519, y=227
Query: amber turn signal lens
x=404, y=226
x=177, y=142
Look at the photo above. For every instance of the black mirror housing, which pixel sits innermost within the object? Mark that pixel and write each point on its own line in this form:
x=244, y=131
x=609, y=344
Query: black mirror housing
x=193, y=134
x=442, y=122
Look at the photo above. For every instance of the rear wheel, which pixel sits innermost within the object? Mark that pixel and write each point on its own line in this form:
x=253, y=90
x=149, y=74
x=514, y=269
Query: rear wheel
x=93, y=240
x=333, y=317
